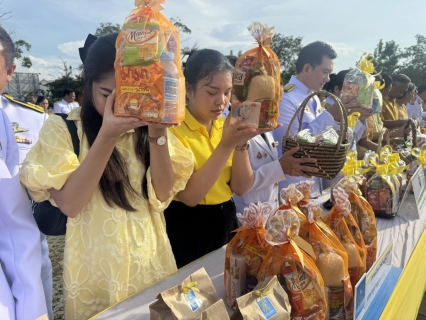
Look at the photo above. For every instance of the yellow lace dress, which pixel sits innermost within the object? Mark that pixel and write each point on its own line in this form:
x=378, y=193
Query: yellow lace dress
x=109, y=253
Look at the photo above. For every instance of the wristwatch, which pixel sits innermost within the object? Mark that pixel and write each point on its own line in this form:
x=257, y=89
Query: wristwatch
x=161, y=140
x=244, y=147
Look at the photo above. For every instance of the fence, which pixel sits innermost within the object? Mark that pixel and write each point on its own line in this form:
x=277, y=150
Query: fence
x=22, y=85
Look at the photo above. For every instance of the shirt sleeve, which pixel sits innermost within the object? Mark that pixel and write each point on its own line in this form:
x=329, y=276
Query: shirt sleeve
x=183, y=166
x=50, y=162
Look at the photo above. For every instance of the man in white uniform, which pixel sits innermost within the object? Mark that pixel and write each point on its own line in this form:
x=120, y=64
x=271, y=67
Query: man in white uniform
x=314, y=65
x=21, y=289
x=26, y=121
x=67, y=104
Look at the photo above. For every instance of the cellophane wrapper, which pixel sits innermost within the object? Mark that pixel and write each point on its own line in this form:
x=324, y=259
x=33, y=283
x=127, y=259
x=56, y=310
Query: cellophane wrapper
x=256, y=84
x=296, y=270
x=148, y=68
x=250, y=243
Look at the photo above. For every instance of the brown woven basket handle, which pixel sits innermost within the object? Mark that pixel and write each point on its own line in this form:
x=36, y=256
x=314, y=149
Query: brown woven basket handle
x=301, y=109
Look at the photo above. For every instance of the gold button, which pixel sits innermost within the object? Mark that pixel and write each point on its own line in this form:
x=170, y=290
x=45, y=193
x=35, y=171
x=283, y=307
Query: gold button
x=276, y=184
x=276, y=200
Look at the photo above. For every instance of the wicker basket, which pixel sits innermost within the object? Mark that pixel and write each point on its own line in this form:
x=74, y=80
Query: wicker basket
x=330, y=159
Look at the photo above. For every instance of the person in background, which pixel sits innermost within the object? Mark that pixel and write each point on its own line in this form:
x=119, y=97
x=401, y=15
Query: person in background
x=32, y=99
x=67, y=104
x=390, y=114
x=43, y=102
x=114, y=192
x=414, y=106
x=202, y=216
x=421, y=92
x=22, y=295
x=26, y=120
x=314, y=65
x=402, y=101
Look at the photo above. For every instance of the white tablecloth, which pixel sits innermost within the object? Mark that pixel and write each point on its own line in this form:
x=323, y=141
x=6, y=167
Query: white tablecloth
x=405, y=230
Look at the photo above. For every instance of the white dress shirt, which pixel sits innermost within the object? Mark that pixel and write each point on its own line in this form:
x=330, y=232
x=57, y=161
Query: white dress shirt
x=20, y=249
x=415, y=110
x=267, y=173
x=64, y=107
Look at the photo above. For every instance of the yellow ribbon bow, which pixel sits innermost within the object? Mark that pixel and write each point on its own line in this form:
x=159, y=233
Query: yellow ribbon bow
x=366, y=63
x=262, y=294
x=188, y=288
x=378, y=86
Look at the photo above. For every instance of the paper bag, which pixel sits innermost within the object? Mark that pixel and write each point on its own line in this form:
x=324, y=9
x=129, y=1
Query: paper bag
x=268, y=301
x=215, y=312
x=185, y=301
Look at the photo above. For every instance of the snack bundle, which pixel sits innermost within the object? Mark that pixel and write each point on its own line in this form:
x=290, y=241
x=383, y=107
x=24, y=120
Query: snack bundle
x=292, y=198
x=332, y=262
x=256, y=83
x=329, y=137
x=344, y=226
x=359, y=82
x=363, y=214
x=246, y=251
x=150, y=83
x=296, y=270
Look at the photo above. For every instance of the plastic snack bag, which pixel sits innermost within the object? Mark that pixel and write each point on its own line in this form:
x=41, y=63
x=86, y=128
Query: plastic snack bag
x=294, y=199
x=296, y=270
x=256, y=89
x=359, y=82
x=150, y=82
x=332, y=262
x=250, y=244
x=340, y=220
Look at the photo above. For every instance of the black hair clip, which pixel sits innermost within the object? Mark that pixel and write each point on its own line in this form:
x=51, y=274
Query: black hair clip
x=83, y=51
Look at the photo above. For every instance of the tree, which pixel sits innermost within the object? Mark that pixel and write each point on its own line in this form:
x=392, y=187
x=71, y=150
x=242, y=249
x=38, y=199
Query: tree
x=107, y=28
x=178, y=24
x=387, y=57
x=66, y=80
x=414, y=65
x=19, y=53
x=287, y=50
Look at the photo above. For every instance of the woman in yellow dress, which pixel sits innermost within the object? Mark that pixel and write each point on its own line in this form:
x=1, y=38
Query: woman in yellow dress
x=113, y=193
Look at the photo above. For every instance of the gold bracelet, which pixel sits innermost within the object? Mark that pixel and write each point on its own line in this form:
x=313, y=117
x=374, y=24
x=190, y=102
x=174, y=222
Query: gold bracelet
x=244, y=147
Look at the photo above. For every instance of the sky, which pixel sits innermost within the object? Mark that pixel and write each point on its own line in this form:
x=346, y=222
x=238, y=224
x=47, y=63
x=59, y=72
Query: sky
x=57, y=28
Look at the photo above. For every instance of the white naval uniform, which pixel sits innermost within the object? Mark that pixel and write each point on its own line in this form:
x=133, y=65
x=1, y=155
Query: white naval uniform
x=267, y=173
x=415, y=110
x=27, y=118
x=21, y=288
x=314, y=119
x=64, y=107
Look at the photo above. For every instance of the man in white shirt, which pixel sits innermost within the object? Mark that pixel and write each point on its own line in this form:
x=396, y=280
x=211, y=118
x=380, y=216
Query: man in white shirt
x=67, y=104
x=414, y=107
x=21, y=289
x=314, y=65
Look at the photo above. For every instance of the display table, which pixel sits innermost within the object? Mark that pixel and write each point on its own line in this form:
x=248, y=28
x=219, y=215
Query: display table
x=409, y=254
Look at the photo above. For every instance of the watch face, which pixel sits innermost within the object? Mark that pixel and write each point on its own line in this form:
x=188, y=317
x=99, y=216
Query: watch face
x=161, y=140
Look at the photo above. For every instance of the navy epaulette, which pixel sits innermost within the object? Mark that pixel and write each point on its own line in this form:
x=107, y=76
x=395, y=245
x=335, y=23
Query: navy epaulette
x=28, y=105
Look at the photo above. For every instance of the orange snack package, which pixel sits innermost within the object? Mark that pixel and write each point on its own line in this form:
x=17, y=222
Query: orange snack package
x=363, y=214
x=332, y=262
x=250, y=243
x=291, y=197
x=344, y=226
x=150, y=82
x=256, y=83
x=296, y=270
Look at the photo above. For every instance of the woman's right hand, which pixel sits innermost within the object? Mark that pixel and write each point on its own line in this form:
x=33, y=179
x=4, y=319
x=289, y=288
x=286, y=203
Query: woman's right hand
x=113, y=126
x=232, y=136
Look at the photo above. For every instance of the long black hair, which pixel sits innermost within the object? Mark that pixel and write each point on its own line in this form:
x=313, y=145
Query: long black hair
x=114, y=184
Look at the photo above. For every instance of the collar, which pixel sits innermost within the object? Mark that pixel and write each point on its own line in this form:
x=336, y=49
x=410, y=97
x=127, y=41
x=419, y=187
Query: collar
x=300, y=85
x=193, y=123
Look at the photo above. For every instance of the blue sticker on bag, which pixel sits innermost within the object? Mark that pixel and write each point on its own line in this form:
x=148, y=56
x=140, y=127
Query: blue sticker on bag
x=193, y=302
x=267, y=308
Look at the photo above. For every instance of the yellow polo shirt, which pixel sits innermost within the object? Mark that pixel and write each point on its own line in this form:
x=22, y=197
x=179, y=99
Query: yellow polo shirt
x=389, y=110
x=402, y=111
x=195, y=137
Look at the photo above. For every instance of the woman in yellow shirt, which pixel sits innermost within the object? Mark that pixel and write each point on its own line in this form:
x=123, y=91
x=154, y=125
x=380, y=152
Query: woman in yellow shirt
x=113, y=193
x=203, y=215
